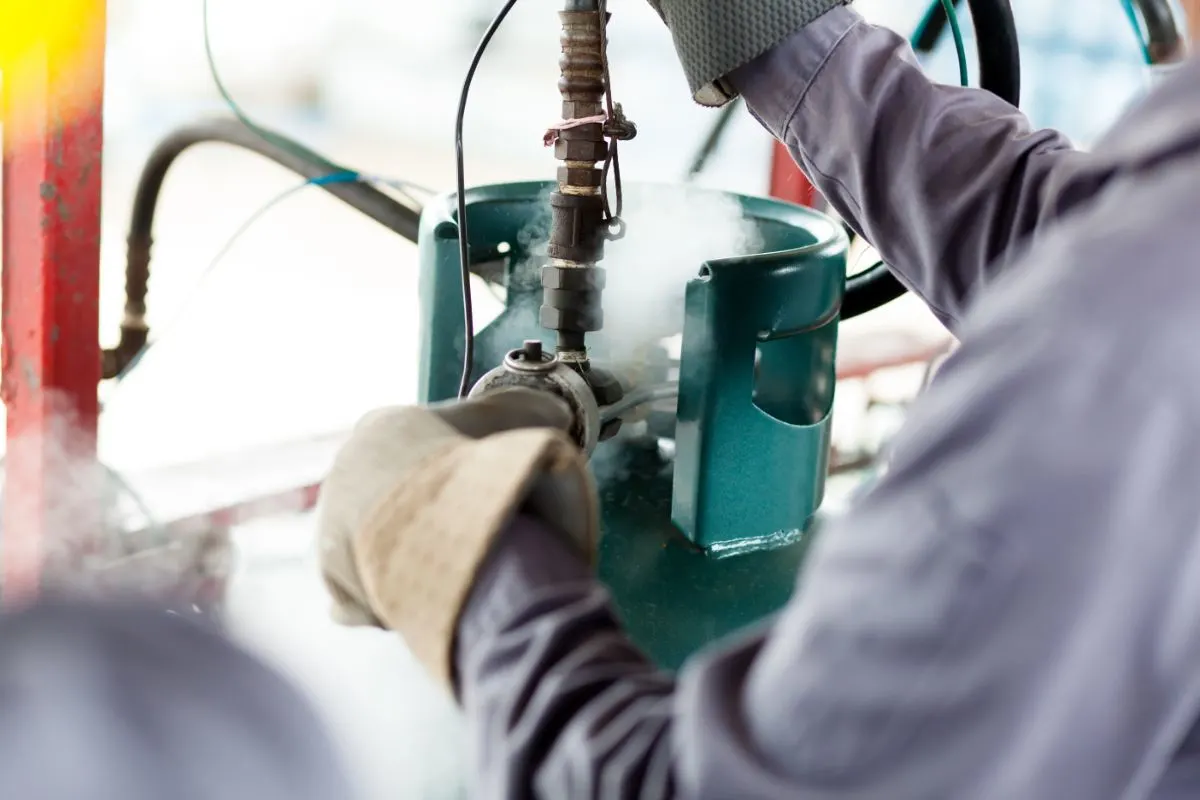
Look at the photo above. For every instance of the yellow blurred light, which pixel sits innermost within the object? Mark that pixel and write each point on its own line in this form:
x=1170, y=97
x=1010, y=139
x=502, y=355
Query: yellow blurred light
x=27, y=24
x=51, y=60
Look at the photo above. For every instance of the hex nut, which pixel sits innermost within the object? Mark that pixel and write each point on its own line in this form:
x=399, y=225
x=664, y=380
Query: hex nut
x=573, y=279
x=568, y=319
x=578, y=176
x=580, y=150
x=605, y=386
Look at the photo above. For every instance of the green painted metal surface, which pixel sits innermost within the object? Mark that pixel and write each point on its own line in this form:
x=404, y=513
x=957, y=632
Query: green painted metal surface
x=673, y=596
x=709, y=540
x=757, y=374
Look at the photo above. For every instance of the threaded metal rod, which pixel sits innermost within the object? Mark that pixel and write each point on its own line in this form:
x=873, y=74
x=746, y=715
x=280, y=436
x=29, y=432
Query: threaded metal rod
x=572, y=282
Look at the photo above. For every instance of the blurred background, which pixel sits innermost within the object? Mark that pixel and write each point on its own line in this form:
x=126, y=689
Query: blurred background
x=310, y=318
x=314, y=303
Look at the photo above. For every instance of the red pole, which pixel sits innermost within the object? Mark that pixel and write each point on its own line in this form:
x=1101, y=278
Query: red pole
x=787, y=181
x=50, y=322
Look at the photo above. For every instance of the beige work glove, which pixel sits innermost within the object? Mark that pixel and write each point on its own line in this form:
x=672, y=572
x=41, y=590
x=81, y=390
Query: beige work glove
x=416, y=497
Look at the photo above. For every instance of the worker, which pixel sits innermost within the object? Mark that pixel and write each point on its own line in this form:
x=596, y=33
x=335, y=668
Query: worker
x=1011, y=613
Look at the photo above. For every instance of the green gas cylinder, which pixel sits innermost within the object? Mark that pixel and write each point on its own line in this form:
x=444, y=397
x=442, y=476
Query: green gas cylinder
x=706, y=510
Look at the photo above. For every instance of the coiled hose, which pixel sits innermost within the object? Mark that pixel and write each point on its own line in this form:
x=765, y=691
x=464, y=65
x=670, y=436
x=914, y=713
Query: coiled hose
x=999, y=73
x=1165, y=41
x=389, y=212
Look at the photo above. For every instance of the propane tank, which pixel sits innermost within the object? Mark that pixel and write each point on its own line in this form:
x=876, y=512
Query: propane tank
x=708, y=500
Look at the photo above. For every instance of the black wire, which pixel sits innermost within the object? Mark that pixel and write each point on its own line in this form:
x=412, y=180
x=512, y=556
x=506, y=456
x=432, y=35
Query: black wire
x=613, y=159
x=464, y=255
x=713, y=140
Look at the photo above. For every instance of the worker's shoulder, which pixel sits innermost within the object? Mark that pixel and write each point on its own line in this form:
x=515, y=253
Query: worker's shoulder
x=1120, y=274
x=1160, y=126
x=1141, y=235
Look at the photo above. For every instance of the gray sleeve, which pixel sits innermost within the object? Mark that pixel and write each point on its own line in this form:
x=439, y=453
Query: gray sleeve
x=559, y=703
x=1011, y=612
x=943, y=180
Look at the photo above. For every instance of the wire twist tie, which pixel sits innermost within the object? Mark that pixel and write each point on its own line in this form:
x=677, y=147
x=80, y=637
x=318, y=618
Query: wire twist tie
x=551, y=135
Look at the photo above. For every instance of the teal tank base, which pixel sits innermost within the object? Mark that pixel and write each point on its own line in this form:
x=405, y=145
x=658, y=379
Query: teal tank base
x=706, y=511
x=672, y=596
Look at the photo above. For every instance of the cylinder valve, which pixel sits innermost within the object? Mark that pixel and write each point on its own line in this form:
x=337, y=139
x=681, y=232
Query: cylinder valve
x=531, y=367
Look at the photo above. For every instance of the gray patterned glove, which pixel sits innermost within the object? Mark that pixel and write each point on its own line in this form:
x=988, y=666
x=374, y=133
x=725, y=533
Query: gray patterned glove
x=715, y=37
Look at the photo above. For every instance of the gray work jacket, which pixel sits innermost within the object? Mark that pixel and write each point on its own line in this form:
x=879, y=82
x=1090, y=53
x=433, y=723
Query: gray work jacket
x=1013, y=612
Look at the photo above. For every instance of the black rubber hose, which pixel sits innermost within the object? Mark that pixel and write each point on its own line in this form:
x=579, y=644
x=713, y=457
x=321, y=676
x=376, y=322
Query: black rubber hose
x=999, y=49
x=384, y=209
x=1000, y=73
x=1165, y=40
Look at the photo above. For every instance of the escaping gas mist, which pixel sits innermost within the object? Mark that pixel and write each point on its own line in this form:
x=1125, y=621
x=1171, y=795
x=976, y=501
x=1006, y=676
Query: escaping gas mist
x=91, y=533
x=670, y=233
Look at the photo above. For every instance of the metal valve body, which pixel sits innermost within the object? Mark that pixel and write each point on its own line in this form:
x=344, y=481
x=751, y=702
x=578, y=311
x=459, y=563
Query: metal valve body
x=532, y=367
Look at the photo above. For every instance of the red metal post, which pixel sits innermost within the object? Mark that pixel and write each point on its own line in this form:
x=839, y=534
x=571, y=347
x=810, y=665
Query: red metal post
x=51, y=286
x=788, y=182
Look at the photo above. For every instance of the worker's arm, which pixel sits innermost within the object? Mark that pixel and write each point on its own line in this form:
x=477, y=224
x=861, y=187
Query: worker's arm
x=945, y=181
x=1010, y=613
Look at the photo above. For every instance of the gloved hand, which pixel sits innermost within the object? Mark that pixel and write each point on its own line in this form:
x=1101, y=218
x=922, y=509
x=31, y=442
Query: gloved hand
x=416, y=497
x=715, y=37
